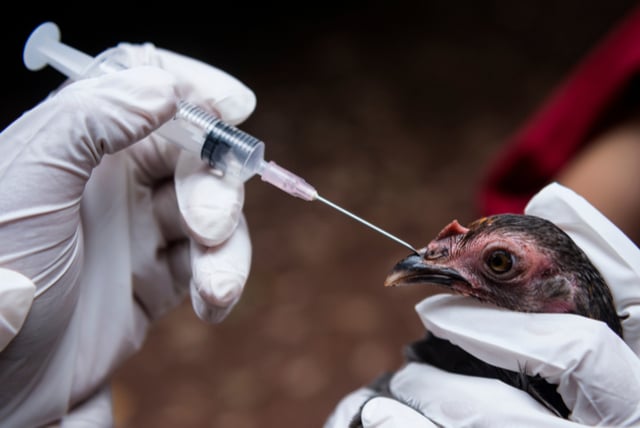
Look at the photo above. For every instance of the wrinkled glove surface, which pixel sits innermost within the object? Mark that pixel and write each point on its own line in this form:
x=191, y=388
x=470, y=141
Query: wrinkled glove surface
x=106, y=227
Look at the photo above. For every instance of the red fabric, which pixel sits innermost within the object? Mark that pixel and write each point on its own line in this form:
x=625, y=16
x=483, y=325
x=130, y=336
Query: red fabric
x=540, y=149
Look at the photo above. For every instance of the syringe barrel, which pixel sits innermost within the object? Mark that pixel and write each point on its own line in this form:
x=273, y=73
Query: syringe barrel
x=224, y=147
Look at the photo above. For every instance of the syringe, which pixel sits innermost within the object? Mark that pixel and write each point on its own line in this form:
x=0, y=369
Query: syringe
x=227, y=149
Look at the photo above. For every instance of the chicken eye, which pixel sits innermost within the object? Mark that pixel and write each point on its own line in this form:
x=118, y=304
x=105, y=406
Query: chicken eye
x=500, y=261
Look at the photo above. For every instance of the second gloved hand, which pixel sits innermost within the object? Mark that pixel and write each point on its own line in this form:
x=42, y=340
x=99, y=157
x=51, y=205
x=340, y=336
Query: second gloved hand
x=597, y=373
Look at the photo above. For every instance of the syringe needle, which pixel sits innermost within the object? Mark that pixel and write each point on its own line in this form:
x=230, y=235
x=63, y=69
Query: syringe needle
x=366, y=223
x=44, y=47
x=296, y=186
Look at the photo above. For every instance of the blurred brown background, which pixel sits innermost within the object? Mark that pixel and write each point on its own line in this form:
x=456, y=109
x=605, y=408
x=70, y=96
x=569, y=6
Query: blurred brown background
x=390, y=109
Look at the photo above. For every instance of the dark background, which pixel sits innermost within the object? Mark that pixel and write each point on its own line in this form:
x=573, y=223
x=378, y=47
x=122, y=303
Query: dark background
x=390, y=109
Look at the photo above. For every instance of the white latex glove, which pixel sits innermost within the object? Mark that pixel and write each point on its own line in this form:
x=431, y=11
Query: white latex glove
x=210, y=207
x=598, y=374
x=380, y=412
x=101, y=235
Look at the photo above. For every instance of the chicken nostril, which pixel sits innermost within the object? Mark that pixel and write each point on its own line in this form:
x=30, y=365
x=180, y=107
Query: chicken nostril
x=436, y=253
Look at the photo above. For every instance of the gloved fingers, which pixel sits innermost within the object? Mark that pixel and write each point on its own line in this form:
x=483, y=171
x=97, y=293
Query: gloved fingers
x=597, y=374
x=453, y=400
x=199, y=83
x=383, y=412
x=219, y=274
x=16, y=296
x=206, y=311
x=211, y=206
x=348, y=407
x=609, y=249
x=107, y=113
x=49, y=152
x=153, y=161
x=95, y=412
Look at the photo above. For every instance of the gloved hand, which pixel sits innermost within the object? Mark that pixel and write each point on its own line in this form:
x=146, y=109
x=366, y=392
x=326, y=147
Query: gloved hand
x=210, y=209
x=102, y=235
x=597, y=373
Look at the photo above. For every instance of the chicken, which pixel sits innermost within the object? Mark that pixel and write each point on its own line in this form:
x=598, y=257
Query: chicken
x=519, y=262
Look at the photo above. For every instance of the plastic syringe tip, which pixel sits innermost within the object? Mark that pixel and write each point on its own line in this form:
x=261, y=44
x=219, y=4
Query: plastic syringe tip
x=287, y=181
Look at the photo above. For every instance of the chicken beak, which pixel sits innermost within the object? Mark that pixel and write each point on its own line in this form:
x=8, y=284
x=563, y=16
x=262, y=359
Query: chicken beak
x=414, y=270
